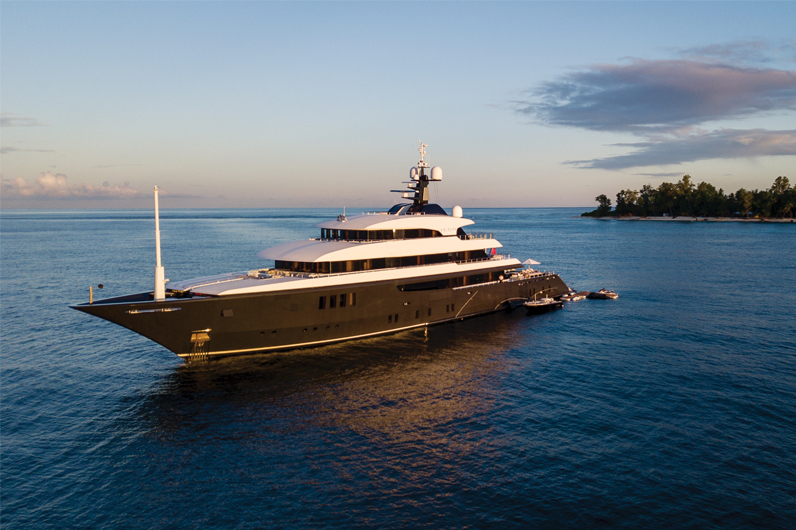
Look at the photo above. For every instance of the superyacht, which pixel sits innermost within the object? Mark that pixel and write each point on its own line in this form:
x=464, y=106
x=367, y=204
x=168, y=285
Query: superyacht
x=409, y=267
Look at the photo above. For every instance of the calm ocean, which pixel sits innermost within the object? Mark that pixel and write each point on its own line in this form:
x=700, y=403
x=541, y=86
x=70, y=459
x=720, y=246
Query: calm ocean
x=671, y=407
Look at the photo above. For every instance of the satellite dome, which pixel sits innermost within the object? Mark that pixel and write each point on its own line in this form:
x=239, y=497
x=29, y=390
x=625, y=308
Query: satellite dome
x=436, y=173
x=413, y=173
x=457, y=211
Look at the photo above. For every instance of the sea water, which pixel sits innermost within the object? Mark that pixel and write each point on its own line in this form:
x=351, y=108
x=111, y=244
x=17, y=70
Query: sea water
x=671, y=407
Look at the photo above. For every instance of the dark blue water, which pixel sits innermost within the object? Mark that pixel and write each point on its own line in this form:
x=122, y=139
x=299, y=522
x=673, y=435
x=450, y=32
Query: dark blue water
x=672, y=407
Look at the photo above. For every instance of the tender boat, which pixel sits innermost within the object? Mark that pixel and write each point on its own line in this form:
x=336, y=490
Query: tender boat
x=603, y=294
x=372, y=274
x=543, y=305
x=573, y=296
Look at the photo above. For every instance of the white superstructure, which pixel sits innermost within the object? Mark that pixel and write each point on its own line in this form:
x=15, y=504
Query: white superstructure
x=411, y=240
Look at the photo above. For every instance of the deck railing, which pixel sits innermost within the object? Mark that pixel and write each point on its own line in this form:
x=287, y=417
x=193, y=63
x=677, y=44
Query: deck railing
x=297, y=274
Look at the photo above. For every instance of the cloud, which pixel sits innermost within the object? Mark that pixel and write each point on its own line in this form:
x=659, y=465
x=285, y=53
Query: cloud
x=51, y=186
x=724, y=143
x=667, y=103
x=658, y=96
x=660, y=175
x=742, y=52
x=6, y=150
x=14, y=120
x=164, y=193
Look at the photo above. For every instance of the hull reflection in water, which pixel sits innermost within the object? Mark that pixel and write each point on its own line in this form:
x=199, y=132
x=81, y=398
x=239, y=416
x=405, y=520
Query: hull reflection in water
x=401, y=387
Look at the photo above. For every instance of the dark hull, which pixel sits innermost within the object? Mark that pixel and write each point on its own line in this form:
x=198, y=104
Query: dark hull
x=292, y=319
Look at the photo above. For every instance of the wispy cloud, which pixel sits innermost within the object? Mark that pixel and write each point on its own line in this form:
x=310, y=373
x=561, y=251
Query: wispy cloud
x=660, y=175
x=6, y=150
x=724, y=143
x=14, y=120
x=48, y=186
x=742, y=52
x=667, y=103
x=55, y=186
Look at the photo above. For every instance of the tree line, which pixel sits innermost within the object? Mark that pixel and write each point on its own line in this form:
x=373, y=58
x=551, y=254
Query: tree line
x=684, y=198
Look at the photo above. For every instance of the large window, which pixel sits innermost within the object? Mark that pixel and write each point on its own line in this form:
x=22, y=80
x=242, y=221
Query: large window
x=447, y=283
x=377, y=235
x=333, y=267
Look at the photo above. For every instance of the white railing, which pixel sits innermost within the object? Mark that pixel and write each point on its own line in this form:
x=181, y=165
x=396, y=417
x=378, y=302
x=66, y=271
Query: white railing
x=477, y=235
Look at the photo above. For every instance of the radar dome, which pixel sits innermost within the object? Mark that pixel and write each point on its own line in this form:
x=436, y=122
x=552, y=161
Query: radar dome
x=413, y=173
x=436, y=173
x=457, y=211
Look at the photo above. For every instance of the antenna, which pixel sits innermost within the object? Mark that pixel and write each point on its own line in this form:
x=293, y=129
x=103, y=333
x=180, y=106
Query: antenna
x=422, y=150
x=160, y=274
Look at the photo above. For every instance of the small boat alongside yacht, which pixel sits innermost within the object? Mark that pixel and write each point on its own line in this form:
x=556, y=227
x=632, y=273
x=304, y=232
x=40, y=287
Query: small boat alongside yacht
x=574, y=296
x=603, y=294
x=543, y=305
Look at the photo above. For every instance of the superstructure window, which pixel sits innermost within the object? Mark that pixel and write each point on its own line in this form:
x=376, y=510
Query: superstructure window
x=322, y=302
x=333, y=301
x=343, y=300
x=378, y=235
x=448, y=283
x=335, y=267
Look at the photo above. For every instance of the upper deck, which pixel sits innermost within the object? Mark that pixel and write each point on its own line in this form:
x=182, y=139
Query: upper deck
x=444, y=224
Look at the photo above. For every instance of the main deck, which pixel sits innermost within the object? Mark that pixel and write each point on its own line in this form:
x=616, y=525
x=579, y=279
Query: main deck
x=200, y=325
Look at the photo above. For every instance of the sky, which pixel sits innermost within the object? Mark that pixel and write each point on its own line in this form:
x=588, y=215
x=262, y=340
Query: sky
x=293, y=104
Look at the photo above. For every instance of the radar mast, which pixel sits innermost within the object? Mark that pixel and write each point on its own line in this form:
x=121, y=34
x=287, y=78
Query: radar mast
x=418, y=183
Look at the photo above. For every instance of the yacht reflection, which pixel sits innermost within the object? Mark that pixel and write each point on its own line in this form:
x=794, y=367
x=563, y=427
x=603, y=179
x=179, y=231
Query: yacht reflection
x=395, y=387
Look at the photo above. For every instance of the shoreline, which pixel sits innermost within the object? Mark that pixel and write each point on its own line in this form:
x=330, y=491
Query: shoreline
x=687, y=219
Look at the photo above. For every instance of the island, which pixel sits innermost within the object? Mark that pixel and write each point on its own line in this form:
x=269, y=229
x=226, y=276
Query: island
x=684, y=200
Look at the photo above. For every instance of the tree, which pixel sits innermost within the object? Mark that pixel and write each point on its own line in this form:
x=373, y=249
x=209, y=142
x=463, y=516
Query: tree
x=685, y=192
x=626, y=202
x=780, y=186
x=780, y=192
x=644, y=203
x=743, y=200
x=665, y=198
x=763, y=203
x=706, y=200
x=789, y=203
x=604, y=205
